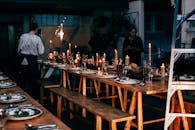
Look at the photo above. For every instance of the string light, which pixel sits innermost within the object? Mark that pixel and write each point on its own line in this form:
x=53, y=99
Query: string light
x=60, y=31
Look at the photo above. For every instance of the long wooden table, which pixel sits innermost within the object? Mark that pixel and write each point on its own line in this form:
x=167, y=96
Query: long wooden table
x=45, y=117
x=157, y=87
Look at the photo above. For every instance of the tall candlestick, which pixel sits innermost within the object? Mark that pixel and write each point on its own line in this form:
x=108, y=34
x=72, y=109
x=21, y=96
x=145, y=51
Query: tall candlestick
x=97, y=58
x=162, y=68
x=104, y=56
x=149, y=53
x=127, y=60
x=68, y=54
x=92, y=60
x=116, y=54
x=69, y=47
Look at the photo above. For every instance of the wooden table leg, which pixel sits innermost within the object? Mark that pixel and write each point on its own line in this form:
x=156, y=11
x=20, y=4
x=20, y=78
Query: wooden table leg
x=98, y=122
x=113, y=93
x=71, y=107
x=80, y=84
x=59, y=107
x=139, y=111
x=181, y=104
x=125, y=99
x=84, y=89
x=173, y=102
x=121, y=98
x=107, y=90
x=133, y=103
x=68, y=80
x=91, y=87
x=131, y=109
x=113, y=126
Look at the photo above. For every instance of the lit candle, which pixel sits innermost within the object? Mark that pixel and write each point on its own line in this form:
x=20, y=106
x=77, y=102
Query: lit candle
x=69, y=47
x=162, y=68
x=100, y=63
x=68, y=53
x=127, y=60
x=103, y=61
x=116, y=54
x=97, y=58
x=104, y=56
x=63, y=55
x=92, y=60
x=50, y=44
x=149, y=52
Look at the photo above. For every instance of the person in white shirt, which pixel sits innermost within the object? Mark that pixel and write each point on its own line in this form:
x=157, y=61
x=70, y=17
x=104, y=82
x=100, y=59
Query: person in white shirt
x=29, y=48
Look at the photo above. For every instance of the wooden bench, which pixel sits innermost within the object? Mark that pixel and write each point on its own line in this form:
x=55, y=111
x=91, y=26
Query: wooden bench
x=99, y=109
x=47, y=83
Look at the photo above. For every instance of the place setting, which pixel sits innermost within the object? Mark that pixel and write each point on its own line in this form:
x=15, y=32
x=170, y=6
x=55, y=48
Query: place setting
x=126, y=81
x=106, y=76
x=3, y=78
x=12, y=98
x=4, y=84
x=88, y=71
x=21, y=112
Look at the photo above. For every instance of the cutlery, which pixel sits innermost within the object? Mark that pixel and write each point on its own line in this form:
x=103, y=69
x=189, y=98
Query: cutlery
x=50, y=126
x=22, y=105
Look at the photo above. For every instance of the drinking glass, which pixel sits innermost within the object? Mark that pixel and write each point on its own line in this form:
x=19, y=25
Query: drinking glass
x=124, y=72
x=71, y=59
x=105, y=66
x=85, y=58
x=119, y=69
x=150, y=75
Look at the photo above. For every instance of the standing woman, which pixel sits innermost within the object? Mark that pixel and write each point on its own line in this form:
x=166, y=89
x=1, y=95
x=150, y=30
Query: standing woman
x=133, y=46
x=30, y=46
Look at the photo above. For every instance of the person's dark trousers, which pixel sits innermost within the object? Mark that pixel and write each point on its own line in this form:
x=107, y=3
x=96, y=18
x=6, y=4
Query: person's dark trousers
x=29, y=75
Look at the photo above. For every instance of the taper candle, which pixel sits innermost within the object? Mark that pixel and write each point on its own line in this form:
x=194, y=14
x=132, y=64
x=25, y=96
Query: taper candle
x=149, y=52
x=69, y=47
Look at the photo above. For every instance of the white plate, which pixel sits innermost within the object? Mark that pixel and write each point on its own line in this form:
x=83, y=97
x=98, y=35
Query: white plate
x=3, y=78
x=130, y=81
x=24, y=114
x=12, y=98
x=110, y=66
x=46, y=62
x=7, y=84
x=88, y=71
x=61, y=65
x=187, y=78
x=75, y=68
x=108, y=76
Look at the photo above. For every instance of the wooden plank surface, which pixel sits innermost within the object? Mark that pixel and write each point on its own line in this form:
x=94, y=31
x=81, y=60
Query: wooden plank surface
x=105, y=111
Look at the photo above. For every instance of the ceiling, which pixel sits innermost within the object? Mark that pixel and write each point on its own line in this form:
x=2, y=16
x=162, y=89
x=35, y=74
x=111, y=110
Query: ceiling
x=74, y=6
x=60, y=6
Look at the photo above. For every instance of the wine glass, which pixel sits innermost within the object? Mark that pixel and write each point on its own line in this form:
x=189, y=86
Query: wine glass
x=105, y=66
x=85, y=58
x=71, y=59
x=119, y=69
x=124, y=72
x=150, y=75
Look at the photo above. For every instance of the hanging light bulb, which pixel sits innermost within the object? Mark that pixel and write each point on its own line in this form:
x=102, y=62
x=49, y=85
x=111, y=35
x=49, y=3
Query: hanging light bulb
x=61, y=32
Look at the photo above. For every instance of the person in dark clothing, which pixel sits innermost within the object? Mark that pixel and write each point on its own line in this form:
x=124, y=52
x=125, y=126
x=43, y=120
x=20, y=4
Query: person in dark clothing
x=30, y=46
x=133, y=46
